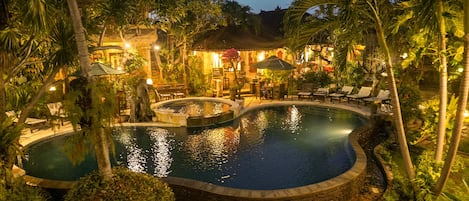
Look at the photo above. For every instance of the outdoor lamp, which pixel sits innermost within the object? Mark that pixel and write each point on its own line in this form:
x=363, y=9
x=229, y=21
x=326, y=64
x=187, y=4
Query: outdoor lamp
x=404, y=55
x=52, y=88
x=156, y=47
x=149, y=81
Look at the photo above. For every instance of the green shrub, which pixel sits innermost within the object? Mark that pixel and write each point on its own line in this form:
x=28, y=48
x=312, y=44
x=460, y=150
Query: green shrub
x=319, y=79
x=124, y=185
x=19, y=191
x=409, y=98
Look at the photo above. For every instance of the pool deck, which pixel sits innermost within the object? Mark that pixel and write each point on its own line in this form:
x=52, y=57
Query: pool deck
x=249, y=102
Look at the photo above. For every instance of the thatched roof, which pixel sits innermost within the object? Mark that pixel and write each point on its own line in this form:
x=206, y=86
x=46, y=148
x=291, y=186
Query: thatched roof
x=270, y=36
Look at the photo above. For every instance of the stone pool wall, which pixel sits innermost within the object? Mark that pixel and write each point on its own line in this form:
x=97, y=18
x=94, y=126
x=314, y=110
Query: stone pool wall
x=179, y=119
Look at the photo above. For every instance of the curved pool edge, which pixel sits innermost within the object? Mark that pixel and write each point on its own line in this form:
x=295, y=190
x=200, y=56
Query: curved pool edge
x=342, y=187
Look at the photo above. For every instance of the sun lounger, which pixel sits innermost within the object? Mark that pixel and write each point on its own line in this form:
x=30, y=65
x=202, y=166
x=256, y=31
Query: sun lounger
x=179, y=91
x=57, y=111
x=364, y=92
x=32, y=123
x=382, y=96
x=346, y=90
x=163, y=93
x=321, y=92
x=306, y=91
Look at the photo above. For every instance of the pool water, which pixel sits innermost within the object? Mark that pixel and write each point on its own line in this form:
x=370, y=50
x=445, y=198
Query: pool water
x=196, y=107
x=265, y=149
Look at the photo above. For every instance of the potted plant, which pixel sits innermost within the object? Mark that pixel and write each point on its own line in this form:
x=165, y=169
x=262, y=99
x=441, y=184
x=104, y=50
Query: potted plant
x=232, y=57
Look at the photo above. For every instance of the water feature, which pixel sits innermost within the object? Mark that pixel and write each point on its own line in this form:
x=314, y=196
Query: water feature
x=196, y=112
x=264, y=149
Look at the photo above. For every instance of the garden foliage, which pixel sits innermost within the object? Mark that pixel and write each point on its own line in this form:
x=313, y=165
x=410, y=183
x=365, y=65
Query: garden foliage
x=124, y=185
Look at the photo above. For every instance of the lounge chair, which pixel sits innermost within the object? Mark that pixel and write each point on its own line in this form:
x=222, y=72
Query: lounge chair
x=364, y=92
x=322, y=92
x=346, y=90
x=32, y=123
x=306, y=91
x=179, y=91
x=57, y=111
x=382, y=96
x=163, y=93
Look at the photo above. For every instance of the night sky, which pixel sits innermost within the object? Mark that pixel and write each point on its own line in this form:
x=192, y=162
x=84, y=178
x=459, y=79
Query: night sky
x=266, y=5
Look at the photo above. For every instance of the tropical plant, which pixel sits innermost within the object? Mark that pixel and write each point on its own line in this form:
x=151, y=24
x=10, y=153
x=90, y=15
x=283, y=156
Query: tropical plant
x=183, y=21
x=433, y=19
x=231, y=56
x=23, y=38
x=459, y=122
x=10, y=148
x=124, y=185
x=430, y=118
x=197, y=82
x=365, y=16
x=319, y=79
x=240, y=16
x=20, y=191
x=101, y=138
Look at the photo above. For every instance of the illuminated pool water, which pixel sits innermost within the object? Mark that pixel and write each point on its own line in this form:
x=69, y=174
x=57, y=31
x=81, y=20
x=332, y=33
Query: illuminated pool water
x=195, y=107
x=269, y=148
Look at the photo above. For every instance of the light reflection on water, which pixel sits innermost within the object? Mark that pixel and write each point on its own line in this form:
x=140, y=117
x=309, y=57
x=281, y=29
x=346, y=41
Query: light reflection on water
x=269, y=148
x=293, y=120
x=197, y=108
x=161, y=149
x=212, y=147
x=135, y=159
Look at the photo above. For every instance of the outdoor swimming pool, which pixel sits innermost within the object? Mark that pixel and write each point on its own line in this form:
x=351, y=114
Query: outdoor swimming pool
x=264, y=149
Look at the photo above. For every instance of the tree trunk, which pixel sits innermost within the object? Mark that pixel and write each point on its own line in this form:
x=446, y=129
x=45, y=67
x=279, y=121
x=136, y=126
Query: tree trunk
x=157, y=55
x=101, y=146
x=184, y=71
x=396, y=107
x=443, y=84
x=80, y=38
x=462, y=102
x=102, y=154
x=101, y=35
x=2, y=99
x=25, y=112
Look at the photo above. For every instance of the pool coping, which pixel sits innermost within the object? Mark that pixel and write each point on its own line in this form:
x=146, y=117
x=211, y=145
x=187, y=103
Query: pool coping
x=347, y=181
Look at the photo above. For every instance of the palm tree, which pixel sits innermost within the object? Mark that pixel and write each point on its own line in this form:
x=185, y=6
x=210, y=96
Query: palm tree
x=63, y=54
x=9, y=149
x=18, y=34
x=350, y=13
x=430, y=17
x=183, y=20
x=462, y=102
x=101, y=144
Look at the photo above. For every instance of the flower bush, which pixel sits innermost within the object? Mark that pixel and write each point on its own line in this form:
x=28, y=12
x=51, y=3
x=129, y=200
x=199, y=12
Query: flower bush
x=124, y=185
x=232, y=56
